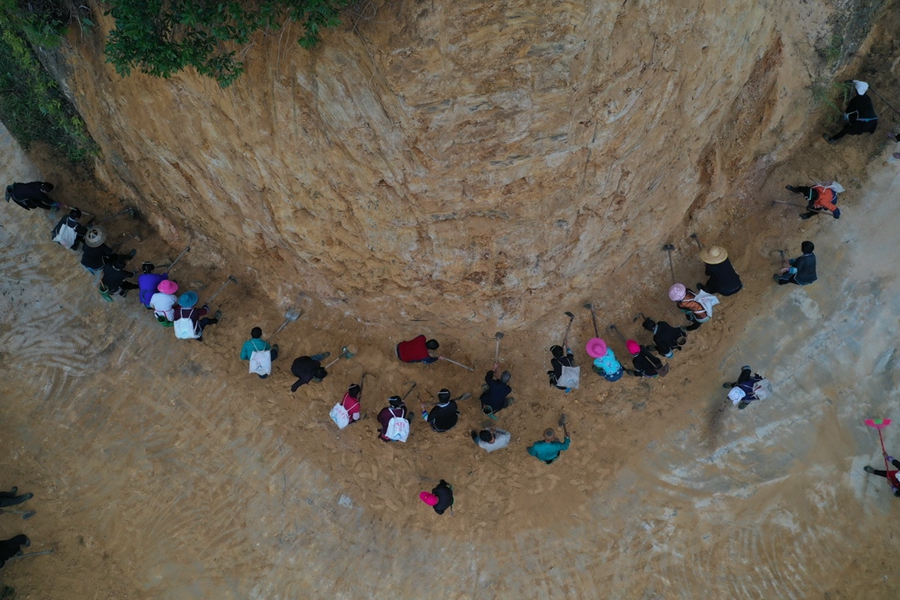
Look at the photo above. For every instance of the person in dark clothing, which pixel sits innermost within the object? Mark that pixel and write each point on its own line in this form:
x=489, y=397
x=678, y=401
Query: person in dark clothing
x=666, y=337
x=800, y=270
x=444, y=416
x=820, y=198
x=561, y=358
x=11, y=499
x=440, y=498
x=645, y=364
x=495, y=392
x=890, y=475
x=95, y=254
x=395, y=409
x=742, y=391
x=114, y=278
x=309, y=368
x=62, y=234
x=723, y=279
x=860, y=115
x=12, y=546
x=31, y=195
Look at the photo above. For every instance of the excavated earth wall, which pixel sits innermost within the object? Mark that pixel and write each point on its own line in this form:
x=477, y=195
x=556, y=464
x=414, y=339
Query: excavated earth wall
x=464, y=161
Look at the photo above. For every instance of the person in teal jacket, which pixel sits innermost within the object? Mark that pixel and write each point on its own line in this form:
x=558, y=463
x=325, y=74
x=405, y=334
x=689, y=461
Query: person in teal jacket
x=549, y=449
x=257, y=343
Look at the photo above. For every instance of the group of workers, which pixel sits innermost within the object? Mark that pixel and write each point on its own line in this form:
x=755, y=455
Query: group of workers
x=160, y=294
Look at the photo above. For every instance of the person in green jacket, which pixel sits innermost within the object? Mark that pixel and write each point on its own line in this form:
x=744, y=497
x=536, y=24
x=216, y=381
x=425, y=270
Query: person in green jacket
x=257, y=343
x=549, y=449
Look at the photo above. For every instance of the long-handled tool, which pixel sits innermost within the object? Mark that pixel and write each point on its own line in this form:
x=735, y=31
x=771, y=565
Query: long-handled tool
x=668, y=248
x=409, y=391
x=615, y=330
x=455, y=363
x=344, y=353
x=568, y=327
x=26, y=514
x=30, y=554
x=289, y=317
x=231, y=279
x=175, y=262
x=640, y=315
x=880, y=424
x=774, y=202
x=590, y=307
x=498, y=336
x=131, y=212
x=696, y=239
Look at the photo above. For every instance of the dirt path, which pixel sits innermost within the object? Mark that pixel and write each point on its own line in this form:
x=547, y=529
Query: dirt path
x=161, y=469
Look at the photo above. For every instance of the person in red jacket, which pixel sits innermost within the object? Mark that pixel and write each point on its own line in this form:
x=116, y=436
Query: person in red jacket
x=417, y=350
x=891, y=476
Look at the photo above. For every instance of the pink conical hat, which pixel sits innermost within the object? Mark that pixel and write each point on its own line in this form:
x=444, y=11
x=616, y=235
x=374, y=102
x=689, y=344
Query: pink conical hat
x=596, y=348
x=428, y=498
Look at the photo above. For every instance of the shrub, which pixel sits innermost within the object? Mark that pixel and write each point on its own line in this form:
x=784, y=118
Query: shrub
x=163, y=37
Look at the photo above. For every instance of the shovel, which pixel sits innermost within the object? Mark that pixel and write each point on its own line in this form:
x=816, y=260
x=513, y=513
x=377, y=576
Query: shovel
x=231, y=278
x=568, y=327
x=455, y=363
x=617, y=332
x=289, y=317
x=668, y=248
x=345, y=353
x=175, y=262
x=131, y=212
x=26, y=514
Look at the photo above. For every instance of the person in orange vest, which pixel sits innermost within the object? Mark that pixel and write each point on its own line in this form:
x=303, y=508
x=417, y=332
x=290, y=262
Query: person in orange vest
x=417, y=350
x=819, y=199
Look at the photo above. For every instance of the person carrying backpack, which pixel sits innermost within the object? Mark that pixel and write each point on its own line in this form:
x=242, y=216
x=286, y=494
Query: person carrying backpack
x=800, y=270
x=440, y=498
x=31, y=195
x=114, y=279
x=191, y=321
x=689, y=303
x=820, y=198
x=666, y=337
x=390, y=417
x=417, y=350
x=148, y=283
x=69, y=233
x=561, y=358
x=346, y=411
x=749, y=386
x=261, y=365
x=308, y=368
x=445, y=415
x=645, y=364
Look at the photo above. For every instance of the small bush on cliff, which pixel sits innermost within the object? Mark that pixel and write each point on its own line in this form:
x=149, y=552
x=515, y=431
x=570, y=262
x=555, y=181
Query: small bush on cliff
x=31, y=104
x=162, y=37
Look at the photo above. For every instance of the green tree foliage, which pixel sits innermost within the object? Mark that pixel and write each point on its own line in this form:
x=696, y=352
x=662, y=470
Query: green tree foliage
x=162, y=37
x=31, y=104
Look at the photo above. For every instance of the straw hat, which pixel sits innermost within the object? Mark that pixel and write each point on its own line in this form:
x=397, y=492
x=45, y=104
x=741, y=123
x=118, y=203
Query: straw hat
x=188, y=300
x=713, y=255
x=95, y=236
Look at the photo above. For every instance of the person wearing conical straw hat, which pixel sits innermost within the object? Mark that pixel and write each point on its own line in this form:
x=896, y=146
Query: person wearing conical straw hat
x=723, y=279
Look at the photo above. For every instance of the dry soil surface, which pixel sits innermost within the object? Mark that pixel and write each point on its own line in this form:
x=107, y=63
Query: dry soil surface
x=162, y=469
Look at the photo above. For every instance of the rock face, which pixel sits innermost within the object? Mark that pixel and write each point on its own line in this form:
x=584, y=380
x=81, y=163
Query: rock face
x=460, y=161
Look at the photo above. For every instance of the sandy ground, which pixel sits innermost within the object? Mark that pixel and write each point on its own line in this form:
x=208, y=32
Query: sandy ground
x=161, y=469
